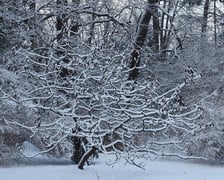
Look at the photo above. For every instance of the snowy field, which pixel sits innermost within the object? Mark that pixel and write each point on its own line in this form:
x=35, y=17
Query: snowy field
x=154, y=170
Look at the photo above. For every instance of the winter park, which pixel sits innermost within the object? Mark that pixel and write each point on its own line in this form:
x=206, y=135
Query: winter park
x=112, y=89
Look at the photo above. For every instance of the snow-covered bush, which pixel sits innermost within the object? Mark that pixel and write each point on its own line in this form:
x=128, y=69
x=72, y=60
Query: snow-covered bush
x=60, y=85
x=89, y=96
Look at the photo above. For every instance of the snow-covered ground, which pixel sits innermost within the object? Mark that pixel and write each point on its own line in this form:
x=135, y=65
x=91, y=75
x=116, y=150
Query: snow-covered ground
x=154, y=170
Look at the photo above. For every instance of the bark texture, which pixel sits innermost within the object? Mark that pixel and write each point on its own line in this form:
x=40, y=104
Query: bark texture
x=205, y=17
x=140, y=38
x=86, y=157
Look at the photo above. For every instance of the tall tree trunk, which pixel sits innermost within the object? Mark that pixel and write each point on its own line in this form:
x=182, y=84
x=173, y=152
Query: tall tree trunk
x=172, y=6
x=164, y=36
x=143, y=27
x=156, y=32
x=140, y=38
x=215, y=22
x=205, y=17
x=60, y=19
x=32, y=7
x=162, y=26
x=92, y=26
x=74, y=22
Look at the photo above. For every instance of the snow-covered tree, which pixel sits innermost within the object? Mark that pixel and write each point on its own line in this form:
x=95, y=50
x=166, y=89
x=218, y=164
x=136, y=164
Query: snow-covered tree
x=69, y=79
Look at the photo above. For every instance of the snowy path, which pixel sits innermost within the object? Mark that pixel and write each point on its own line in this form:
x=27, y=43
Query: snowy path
x=100, y=171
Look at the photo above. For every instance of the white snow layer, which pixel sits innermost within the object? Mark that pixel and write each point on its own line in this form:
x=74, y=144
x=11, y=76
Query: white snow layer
x=154, y=170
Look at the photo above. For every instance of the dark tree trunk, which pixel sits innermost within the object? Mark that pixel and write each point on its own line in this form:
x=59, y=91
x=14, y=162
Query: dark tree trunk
x=142, y=29
x=162, y=26
x=78, y=149
x=60, y=19
x=205, y=17
x=86, y=157
x=91, y=33
x=140, y=39
x=215, y=23
x=134, y=64
x=156, y=32
x=32, y=7
x=74, y=24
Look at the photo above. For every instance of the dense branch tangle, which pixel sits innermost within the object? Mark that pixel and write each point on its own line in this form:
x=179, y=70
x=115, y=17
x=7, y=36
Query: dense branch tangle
x=80, y=89
x=114, y=115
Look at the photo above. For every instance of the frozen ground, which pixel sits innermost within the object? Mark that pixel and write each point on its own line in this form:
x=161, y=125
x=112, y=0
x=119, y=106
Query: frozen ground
x=156, y=170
